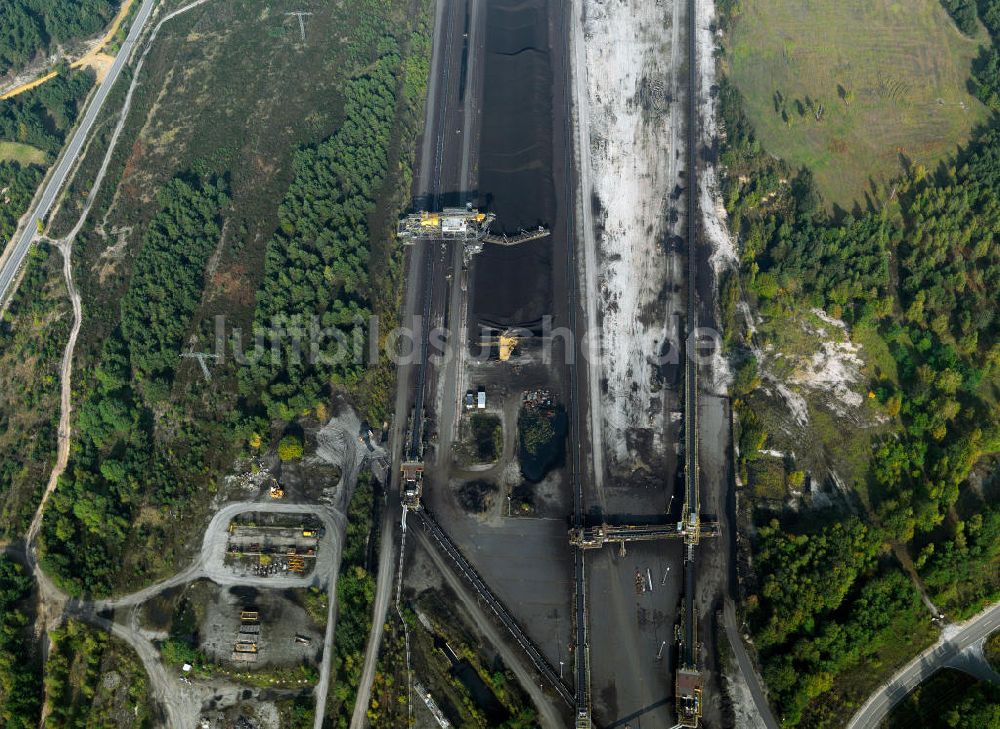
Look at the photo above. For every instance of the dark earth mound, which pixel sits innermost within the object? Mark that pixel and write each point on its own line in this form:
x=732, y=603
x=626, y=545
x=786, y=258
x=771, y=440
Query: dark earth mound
x=512, y=285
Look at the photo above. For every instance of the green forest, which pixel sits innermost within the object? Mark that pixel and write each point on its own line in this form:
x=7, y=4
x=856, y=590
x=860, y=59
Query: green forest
x=826, y=606
x=40, y=118
x=919, y=268
x=939, y=315
x=114, y=468
x=43, y=116
x=19, y=185
x=77, y=688
x=168, y=277
x=949, y=700
x=20, y=669
x=967, y=15
x=355, y=596
x=151, y=438
x=316, y=269
x=33, y=333
x=30, y=26
x=151, y=441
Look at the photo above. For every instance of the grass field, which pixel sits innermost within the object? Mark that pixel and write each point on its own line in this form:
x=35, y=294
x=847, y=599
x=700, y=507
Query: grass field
x=890, y=78
x=23, y=154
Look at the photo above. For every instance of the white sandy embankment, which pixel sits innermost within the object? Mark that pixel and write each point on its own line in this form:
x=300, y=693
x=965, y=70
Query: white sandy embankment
x=715, y=221
x=628, y=143
x=828, y=368
x=713, y=209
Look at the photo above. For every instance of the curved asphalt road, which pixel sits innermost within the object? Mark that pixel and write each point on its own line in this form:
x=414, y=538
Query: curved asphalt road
x=953, y=642
x=18, y=248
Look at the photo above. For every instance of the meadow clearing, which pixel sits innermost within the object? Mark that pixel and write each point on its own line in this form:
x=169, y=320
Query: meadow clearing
x=854, y=88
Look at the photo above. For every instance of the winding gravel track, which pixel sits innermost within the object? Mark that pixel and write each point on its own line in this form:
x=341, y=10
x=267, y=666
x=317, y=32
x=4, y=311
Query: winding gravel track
x=183, y=701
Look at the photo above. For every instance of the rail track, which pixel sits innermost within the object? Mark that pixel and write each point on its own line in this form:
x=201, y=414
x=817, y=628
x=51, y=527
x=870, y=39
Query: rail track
x=499, y=610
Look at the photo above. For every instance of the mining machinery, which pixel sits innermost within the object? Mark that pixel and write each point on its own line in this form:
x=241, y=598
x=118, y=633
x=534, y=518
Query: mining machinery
x=413, y=484
x=467, y=225
x=595, y=537
x=462, y=224
x=504, y=342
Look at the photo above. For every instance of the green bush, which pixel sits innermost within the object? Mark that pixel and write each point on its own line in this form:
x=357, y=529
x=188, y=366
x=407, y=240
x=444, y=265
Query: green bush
x=290, y=448
x=316, y=271
x=20, y=673
x=178, y=652
x=44, y=115
x=964, y=13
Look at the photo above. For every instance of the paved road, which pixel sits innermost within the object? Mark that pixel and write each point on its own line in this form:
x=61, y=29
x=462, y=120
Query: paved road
x=18, y=248
x=954, y=641
x=747, y=667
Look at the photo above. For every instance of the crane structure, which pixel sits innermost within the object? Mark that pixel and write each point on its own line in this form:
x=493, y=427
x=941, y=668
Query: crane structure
x=202, y=357
x=412, y=484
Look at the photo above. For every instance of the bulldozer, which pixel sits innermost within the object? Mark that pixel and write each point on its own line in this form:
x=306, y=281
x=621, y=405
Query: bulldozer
x=507, y=344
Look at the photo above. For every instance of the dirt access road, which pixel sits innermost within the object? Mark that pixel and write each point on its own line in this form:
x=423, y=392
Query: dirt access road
x=182, y=701
x=65, y=246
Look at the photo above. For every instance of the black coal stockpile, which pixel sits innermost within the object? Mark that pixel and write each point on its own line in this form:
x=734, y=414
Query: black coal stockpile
x=513, y=285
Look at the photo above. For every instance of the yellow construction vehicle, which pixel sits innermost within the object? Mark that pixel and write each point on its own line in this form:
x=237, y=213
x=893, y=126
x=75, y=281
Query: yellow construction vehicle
x=507, y=344
x=276, y=491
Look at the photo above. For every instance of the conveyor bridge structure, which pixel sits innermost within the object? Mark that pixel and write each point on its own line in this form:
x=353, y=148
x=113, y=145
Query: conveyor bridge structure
x=595, y=537
x=487, y=598
x=523, y=236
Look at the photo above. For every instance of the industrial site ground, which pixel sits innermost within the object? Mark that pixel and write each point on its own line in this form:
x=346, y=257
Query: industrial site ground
x=520, y=546
x=437, y=565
